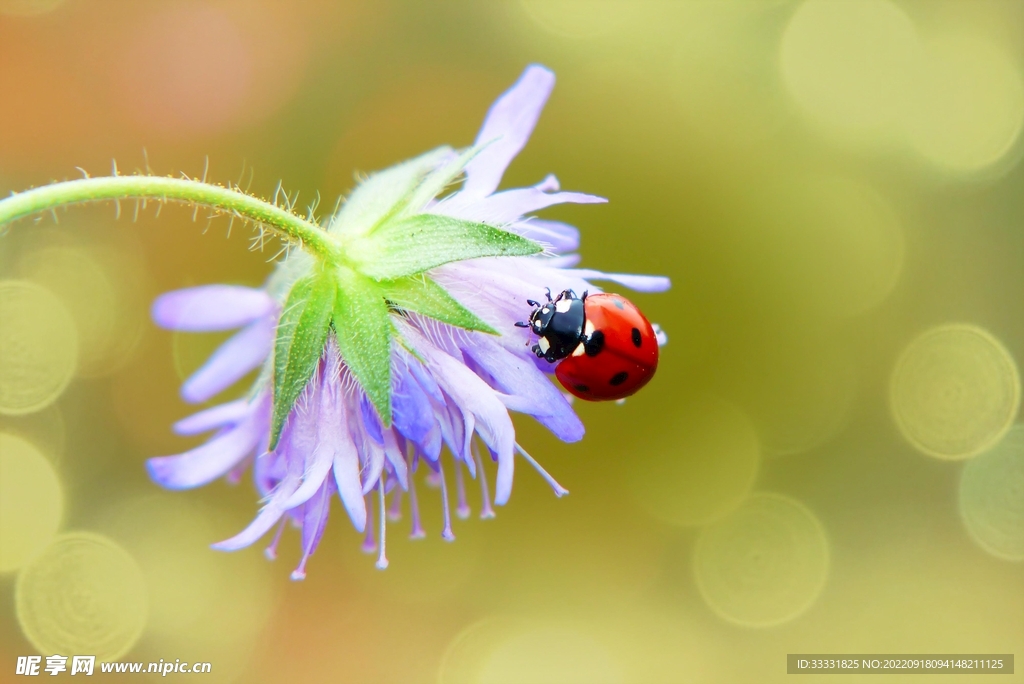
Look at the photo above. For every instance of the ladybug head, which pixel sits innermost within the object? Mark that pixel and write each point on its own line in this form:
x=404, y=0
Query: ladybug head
x=541, y=317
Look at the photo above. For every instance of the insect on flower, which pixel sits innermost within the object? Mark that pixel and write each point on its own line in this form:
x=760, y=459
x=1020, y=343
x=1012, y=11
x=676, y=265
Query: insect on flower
x=610, y=349
x=397, y=337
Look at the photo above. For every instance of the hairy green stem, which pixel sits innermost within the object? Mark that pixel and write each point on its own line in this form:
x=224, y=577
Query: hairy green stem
x=138, y=187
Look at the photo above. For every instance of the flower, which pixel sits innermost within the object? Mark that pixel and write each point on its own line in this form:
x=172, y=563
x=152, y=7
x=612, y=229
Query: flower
x=344, y=407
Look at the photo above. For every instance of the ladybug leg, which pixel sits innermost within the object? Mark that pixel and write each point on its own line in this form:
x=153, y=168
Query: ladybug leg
x=536, y=350
x=547, y=290
x=584, y=297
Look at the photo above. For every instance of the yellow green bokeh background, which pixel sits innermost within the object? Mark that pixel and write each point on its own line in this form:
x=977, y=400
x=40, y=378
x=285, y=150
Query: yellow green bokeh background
x=834, y=187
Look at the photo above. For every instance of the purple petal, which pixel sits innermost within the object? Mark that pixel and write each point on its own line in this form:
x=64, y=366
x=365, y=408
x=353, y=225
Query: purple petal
x=333, y=433
x=314, y=517
x=373, y=463
x=639, y=283
x=205, y=463
x=411, y=410
x=212, y=418
x=245, y=351
x=211, y=307
x=511, y=205
x=370, y=420
x=264, y=520
x=561, y=237
x=472, y=394
x=394, y=455
x=318, y=466
x=507, y=127
x=518, y=376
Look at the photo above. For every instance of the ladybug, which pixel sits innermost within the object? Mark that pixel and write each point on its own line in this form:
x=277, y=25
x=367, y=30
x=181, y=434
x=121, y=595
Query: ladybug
x=605, y=348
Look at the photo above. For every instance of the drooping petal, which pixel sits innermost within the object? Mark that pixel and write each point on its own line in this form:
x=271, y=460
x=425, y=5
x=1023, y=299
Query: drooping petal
x=314, y=521
x=317, y=468
x=207, y=462
x=640, y=283
x=333, y=433
x=412, y=413
x=210, y=308
x=264, y=520
x=507, y=127
x=370, y=421
x=518, y=376
x=212, y=418
x=243, y=352
x=394, y=455
x=373, y=463
x=472, y=394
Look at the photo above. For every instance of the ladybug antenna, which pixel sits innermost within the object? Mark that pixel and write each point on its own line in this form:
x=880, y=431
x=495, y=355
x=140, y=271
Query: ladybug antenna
x=547, y=290
x=533, y=303
x=522, y=324
x=584, y=297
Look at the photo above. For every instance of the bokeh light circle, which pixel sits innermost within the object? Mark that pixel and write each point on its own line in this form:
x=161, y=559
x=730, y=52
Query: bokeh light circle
x=968, y=105
x=992, y=497
x=954, y=392
x=45, y=429
x=704, y=470
x=38, y=347
x=848, y=64
x=31, y=503
x=203, y=605
x=555, y=655
x=764, y=564
x=802, y=396
x=83, y=595
x=86, y=291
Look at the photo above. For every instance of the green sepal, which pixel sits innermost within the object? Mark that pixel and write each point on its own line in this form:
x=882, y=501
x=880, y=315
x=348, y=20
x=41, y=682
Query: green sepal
x=436, y=181
x=418, y=243
x=363, y=329
x=384, y=193
x=422, y=295
x=299, y=343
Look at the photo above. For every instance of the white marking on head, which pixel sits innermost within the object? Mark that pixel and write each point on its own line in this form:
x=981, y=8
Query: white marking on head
x=563, y=305
x=545, y=310
x=544, y=344
x=579, y=350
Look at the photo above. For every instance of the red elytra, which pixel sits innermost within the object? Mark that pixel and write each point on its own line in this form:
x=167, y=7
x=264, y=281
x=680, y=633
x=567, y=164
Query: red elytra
x=626, y=360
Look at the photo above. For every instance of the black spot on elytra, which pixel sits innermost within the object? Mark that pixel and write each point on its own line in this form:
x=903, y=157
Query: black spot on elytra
x=637, y=340
x=581, y=388
x=595, y=344
x=618, y=379
x=618, y=304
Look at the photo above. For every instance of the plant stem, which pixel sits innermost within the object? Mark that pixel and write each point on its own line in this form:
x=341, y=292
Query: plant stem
x=138, y=187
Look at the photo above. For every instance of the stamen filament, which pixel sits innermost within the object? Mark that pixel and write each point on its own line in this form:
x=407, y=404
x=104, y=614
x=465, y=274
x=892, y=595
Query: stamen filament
x=271, y=551
x=462, y=508
x=446, y=533
x=369, y=543
x=486, y=511
x=395, y=509
x=414, y=507
x=560, y=491
x=382, y=559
